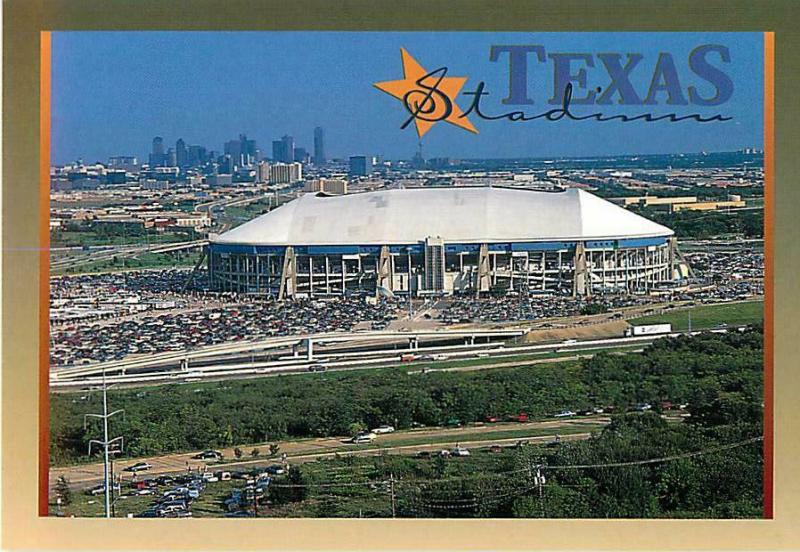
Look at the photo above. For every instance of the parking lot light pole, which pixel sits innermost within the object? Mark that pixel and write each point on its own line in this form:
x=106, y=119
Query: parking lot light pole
x=105, y=443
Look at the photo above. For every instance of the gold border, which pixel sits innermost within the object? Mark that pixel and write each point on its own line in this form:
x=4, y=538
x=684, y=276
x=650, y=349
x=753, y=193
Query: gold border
x=22, y=528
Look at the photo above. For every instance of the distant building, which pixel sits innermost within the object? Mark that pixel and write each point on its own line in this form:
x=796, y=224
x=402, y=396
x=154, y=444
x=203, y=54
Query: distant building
x=283, y=150
x=125, y=162
x=219, y=180
x=319, y=146
x=181, y=154
x=285, y=173
x=157, y=157
x=301, y=155
x=262, y=172
x=243, y=152
x=334, y=186
x=196, y=155
x=360, y=165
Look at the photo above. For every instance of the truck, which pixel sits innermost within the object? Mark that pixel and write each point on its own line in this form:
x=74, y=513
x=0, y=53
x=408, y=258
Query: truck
x=408, y=357
x=648, y=329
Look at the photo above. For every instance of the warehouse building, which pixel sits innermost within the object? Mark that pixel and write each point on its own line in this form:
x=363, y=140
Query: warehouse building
x=437, y=241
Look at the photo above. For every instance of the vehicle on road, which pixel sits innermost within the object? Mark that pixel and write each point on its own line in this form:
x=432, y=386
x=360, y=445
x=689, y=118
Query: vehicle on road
x=139, y=466
x=364, y=438
x=208, y=455
x=459, y=451
x=564, y=414
x=648, y=329
x=383, y=429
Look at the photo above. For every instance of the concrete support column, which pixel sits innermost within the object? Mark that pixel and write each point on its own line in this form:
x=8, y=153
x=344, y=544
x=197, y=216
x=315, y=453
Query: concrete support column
x=288, y=275
x=484, y=282
x=580, y=284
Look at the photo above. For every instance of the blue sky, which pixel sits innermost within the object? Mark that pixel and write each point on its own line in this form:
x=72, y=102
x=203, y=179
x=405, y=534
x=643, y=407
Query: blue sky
x=114, y=91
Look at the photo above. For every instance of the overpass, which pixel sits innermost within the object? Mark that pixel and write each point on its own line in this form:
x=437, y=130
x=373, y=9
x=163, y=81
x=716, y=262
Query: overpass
x=183, y=359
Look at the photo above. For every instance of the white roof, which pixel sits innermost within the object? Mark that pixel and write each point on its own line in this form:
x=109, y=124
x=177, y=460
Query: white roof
x=457, y=214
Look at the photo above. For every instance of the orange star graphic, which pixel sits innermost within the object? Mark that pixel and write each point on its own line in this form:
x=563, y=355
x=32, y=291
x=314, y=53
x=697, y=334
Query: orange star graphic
x=429, y=97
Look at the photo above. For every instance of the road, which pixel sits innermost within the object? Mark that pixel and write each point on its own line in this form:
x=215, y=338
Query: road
x=304, y=450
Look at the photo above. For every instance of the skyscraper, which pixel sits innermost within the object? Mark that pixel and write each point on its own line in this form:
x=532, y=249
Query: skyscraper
x=319, y=146
x=181, y=153
x=283, y=150
x=157, y=158
x=243, y=152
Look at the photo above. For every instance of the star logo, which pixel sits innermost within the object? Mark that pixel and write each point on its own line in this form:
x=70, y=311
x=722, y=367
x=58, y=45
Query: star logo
x=428, y=96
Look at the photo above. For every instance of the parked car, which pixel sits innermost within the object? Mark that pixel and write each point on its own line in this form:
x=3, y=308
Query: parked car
x=495, y=449
x=564, y=414
x=459, y=451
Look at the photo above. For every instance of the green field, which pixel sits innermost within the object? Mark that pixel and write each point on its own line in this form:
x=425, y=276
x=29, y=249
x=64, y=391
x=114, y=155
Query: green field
x=708, y=316
x=141, y=261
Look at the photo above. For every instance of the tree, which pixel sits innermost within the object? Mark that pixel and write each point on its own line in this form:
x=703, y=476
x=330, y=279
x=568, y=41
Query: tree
x=274, y=448
x=356, y=427
x=63, y=491
x=255, y=452
x=237, y=452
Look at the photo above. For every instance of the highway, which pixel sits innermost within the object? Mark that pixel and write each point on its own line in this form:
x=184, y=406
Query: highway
x=219, y=363
x=305, y=450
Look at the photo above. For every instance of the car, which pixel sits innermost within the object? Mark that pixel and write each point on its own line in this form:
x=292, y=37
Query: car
x=642, y=407
x=495, y=449
x=490, y=419
x=139, y=466
x=275, y=469
x=444, y=453
x=100, y=489
x=364, y=438
x=424, y=454
x=564, y=414
x=459, y=451
x=383, y=429
x=208, y=455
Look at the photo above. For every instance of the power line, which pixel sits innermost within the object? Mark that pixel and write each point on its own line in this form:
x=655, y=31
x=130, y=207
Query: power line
x=656, y=460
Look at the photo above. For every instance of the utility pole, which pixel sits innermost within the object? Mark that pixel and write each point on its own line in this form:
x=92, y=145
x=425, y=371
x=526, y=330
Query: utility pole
x=689, y=312
x=105, y=443
x=391, y=490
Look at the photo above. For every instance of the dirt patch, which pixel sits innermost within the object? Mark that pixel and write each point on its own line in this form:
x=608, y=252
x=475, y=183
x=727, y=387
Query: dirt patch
x=612, y=328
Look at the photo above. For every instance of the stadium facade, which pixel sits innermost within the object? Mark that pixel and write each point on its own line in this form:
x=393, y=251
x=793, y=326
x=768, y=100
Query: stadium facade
x=434, y=241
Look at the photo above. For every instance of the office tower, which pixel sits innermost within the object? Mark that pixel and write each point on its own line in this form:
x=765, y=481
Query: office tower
x=319, y=146
x=243, y=152
x=300, y=155
x=283, y=150
x=157, y=158
x=196, y=156
x=181, y=153
x=360, y=165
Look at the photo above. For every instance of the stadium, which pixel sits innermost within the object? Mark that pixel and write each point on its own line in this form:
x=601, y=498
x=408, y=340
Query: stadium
x=445, y=240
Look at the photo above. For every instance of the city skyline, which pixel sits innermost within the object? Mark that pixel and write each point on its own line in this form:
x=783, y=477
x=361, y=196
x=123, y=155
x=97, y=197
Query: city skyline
x=208, y=103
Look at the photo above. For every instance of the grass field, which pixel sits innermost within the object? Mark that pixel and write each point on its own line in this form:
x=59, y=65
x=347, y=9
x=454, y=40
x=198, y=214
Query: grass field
x=708, y=316
x=141, y=261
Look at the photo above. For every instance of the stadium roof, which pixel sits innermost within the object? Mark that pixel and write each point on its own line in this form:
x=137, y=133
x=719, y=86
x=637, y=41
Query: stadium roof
x=456, y=214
